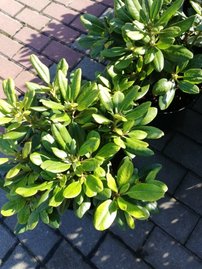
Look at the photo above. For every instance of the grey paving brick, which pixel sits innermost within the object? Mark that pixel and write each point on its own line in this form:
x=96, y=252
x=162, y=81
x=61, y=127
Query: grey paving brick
x=171, y=172
x=66, y=257
x=6, y=242
x=175, y=218
x=163, y=252
x=3, y=198
x=195, y=241
x=198, y=105
x=80, y=232
x=113, y=254
x=192, y=126
x=39, y=241
x=134, y=238
x=190, y=192
x=186, y=152
x=89, y=67
x=20, y=259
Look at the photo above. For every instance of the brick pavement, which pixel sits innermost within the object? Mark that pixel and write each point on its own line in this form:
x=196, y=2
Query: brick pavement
x=171, y=239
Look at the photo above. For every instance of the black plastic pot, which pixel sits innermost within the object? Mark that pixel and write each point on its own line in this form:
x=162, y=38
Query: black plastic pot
x=174, y=117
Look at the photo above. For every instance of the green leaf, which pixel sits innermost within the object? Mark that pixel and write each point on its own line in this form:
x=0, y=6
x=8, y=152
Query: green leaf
x=4, y=120
x=139, y=112
x=63, y=66
x=118, y=98
x=91, y=144
x=146, y=192
x=166, y=99
x=185, y=24
x=105, y=215
x=62, y=117
x=162, y=86
x=14, y=171
x=135, y=211
x=107, y=151
x=193, y=75
x=33, y=220
x=133, y=7
x=57, y=197
x=158, y=60
x=133, y=32
x=151, y=114
x=9, y=90
x=52, y=105
x=169, y=12
x=113, y=52
x=72, y=190
x=87, y=96
x=41, y=69
x=92, y=23
x=90, y=164
x=5, y=107
x=54, y=166
x=111, y=183
x=76, y=84
x=59, y=153
x=4, y=160
x=94, y=183
x=155, y=9
x=83, y=208
x=14, y=135
x=188, y=87
x=152, y=132
x=125, y=172
x=101, y=119
x=129, y=98
x=26, y=191
x=63, y=84
x=137, y=134
x=8, y=209
x=26, y=149
x=178, y=53
x=138, y=147
x=105, y=97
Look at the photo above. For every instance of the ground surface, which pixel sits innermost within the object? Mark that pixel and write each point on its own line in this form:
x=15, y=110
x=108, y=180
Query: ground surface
x=170, y=240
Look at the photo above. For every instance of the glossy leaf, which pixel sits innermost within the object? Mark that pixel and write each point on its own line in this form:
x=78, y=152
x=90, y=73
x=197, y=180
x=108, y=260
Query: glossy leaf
x=105, y=215
x=125, y=172
x=72, y=190
x=55, y=166
x=94, y=183
x=41, y=68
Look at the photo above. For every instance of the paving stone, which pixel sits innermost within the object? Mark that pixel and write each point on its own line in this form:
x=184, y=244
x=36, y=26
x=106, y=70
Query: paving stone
x=3, y=198
x=9, y=69
x=8, y=46
x=32, y=38
x=13, y=7
x=38, y=5
x=113, y=254
x=87, y=6
x=33, y=18
x=195, y=241
x=9, y=25
x=134, y=238
x=24, y=77
x=23, y=57
x=107, y=2
x=80, y=232
x=66, y=257
x=89, y=67
x=78, y=25
x=175, y=219
x=39, y=241
x=61, y=13
x=20, y=259
x=60, y=32
x=7, y=241
x=171, y=172
x=192, y=126
x=190, y=192
x=186, y=152
x=163, y=252
x=56, y=51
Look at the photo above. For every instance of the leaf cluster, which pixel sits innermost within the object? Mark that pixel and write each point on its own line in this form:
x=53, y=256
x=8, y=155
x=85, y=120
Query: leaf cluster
x=59, y=140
